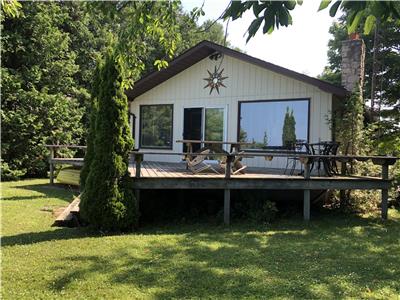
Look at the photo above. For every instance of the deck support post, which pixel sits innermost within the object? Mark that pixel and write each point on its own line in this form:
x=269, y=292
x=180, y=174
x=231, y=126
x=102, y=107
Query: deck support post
x=342, y=193
x=306, y=193
x=227, y=192
x=384, y=193
x=227, y=206
x=137, y=207
x=51, y=165
x=138, y=161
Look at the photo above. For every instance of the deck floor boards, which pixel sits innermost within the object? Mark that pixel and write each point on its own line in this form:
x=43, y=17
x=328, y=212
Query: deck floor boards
x=152, y=169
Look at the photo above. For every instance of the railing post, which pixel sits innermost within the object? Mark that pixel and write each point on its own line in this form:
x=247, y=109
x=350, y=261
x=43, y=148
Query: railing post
x=229, y=159
x=51, y=165
x=306, y=193
x=384, y=193
x=138, y=161
x=343, y=170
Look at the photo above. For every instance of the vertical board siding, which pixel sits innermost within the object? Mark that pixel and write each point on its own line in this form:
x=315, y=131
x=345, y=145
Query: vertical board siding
x=245, y=82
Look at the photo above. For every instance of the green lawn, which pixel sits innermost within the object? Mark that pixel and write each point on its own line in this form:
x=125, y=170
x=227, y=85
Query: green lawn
x=332, y=257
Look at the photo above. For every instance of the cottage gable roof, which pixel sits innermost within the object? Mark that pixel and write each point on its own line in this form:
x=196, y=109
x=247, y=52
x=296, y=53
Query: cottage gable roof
x=205, y=49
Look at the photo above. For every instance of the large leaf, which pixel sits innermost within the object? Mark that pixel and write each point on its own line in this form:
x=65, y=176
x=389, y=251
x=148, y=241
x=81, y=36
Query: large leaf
x=334, y=8
x=283, y=17
x=269, y=17
x=324, y=4
x=234, y=10
x=257, y=8
x=290, y=4
x=369, y=24
x=254, y=27
x=355, y=22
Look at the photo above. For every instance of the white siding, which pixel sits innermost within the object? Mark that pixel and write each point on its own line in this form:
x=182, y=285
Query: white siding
x=246, y=82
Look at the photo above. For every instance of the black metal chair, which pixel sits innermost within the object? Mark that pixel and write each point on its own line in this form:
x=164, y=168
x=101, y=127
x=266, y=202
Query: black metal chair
x=332, y=165
x=301, y=147
x=329, y=164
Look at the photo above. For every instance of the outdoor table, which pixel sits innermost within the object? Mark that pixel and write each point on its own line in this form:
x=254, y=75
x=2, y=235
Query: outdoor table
x=235, y=146
x=234, y=149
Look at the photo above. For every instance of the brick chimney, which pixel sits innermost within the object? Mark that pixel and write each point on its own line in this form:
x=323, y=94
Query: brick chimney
x=353, y=61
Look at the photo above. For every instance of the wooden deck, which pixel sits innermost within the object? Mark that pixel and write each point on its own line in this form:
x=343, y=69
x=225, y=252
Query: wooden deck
x=160, y=175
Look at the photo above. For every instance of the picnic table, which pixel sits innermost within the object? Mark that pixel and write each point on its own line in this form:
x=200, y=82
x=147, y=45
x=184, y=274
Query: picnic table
x=234, y=148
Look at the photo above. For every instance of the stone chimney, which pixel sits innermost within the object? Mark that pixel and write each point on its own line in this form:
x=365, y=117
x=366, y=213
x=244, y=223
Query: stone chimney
x=353, y=61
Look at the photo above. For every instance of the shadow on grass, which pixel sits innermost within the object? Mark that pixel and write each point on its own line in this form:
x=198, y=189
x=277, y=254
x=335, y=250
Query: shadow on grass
x=56, y=190
x=320, y=260
x=45, y=236
x=61, y=192
x=21, y=198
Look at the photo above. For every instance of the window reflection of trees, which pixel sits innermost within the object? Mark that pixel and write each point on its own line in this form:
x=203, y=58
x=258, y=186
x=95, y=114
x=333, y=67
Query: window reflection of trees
x=214, y=126
x=156, y=126
x=273, y=124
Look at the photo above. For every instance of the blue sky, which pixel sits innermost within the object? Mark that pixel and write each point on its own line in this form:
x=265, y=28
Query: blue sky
x=301, y=47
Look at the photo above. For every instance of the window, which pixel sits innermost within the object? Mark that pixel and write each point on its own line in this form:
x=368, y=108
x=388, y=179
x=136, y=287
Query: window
x=156, y=126
x=273, y=123
x=214, y=124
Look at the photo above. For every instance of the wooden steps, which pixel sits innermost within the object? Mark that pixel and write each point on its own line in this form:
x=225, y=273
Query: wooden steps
x=69, y=217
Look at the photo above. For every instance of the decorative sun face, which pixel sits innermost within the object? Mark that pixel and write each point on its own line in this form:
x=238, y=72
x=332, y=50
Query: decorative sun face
x=214, y=81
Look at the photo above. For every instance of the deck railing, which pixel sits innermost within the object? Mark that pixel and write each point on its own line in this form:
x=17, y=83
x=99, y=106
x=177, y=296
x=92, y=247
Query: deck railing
x=54, y=159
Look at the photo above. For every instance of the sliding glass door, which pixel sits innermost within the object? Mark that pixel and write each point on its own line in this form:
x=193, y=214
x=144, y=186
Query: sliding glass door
x=204, y=123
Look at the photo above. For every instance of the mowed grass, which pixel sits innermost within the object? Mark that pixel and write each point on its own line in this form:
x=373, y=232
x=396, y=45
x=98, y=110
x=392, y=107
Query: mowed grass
x=332, y=257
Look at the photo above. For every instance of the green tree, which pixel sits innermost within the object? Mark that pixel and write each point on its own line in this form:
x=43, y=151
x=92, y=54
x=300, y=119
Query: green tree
x=277, y=13
x=107, y=202
x=10, y=8
x=289, y=129
x=265, y=139
x=384, y=117
x=40, y=98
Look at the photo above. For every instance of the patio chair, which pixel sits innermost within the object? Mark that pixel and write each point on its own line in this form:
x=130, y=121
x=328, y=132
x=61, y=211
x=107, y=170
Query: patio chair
x=291, y=162
x=330, y=164
x=236, y=167
x=197, y=164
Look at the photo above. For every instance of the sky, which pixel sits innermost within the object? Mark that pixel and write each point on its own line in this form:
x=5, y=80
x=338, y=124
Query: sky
x=301, y=47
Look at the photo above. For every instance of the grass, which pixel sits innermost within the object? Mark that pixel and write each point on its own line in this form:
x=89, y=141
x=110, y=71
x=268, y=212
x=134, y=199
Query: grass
x=332, y=257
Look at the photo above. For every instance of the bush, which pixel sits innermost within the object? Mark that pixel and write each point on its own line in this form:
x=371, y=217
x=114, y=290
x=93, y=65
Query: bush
x=253, y=205
x=266, y=213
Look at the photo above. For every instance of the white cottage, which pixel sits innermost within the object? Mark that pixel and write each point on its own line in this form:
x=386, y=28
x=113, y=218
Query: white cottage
x=211, y=92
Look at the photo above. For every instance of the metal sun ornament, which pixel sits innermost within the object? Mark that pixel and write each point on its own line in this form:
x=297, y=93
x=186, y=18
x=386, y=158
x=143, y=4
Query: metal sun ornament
x=214, y=81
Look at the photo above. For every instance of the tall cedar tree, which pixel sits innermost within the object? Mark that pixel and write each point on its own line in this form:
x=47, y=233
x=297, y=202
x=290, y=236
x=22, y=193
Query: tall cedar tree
x=107, y=202
x=92, y=129
x=289, y=129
